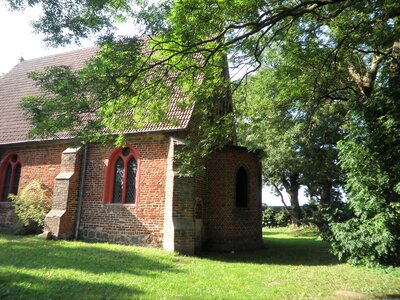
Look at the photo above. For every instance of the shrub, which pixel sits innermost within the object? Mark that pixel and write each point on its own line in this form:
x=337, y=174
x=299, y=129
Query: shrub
x=282, y=218
x=337, y=212
x=372, y=235
x=268, y=217
x=310, y=214
x=366, y=241
x=275, y=217
x=31, y=206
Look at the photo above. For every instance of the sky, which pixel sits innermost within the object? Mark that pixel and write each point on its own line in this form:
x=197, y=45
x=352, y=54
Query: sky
x=18, y=40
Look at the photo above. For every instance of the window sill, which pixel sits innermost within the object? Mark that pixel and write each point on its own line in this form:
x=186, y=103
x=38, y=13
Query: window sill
x=120, y=204
x=244, y=209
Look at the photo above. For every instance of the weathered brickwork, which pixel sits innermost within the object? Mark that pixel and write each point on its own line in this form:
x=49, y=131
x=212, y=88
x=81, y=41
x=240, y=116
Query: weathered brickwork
x=140, y=223
x=171, y=211
x=177, y=213
x=60, y=221
x=168, y=232
x=8, y=220
x=183, y=215
x=182, y=226
x=39, y=162
x=200, y=194
x=188, y=213
x=229, y=227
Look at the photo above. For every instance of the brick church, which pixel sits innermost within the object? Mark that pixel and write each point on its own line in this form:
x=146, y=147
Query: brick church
x=131, y=195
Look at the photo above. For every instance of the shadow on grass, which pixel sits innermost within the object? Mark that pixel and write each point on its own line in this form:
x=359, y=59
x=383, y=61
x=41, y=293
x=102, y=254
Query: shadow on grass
x=391, y=296
x=47, y=269
x=290, y=250
x=24, y=286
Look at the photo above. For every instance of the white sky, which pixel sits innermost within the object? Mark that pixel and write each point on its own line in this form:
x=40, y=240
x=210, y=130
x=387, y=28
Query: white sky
x=18, y=40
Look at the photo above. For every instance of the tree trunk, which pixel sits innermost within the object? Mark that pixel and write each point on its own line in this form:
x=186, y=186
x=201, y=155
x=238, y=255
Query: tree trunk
x=324, y=202
x=292, y=187
x=326, y=193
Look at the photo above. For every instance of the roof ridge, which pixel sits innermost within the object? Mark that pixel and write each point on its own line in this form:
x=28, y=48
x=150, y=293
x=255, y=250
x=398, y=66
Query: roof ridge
x=55, y=54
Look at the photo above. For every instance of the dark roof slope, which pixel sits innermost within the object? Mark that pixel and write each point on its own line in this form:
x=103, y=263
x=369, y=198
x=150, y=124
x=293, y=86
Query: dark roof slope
x=14, y=126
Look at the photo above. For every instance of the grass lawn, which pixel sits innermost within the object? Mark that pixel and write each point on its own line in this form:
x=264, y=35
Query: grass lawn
x=293, y=265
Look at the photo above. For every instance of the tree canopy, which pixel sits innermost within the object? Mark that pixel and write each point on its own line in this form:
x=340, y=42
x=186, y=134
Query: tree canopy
x=188, y=40
x=280, y=111
x=338, y=81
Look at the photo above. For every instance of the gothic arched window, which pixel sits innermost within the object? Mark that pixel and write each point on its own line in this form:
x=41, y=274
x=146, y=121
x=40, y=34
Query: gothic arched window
x=121, y=182
x=241, y=188
x=10, y=172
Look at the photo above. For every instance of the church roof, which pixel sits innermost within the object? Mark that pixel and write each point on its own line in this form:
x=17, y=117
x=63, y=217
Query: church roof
x=14, y=126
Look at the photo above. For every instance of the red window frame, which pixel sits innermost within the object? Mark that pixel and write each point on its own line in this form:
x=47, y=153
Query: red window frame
x=3, y=169
x=110, y=175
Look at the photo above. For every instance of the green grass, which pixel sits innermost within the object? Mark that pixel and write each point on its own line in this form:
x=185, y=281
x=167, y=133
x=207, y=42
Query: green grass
x=293, y=265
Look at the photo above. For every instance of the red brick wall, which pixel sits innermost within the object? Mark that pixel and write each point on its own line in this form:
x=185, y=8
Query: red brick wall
x=183, y=215
x=182, y=230
x=200, y=192
x=224, y=225
x=60, y=221
x=39, y=162
x=140, y=223
x=8, y=220
x=227, y=226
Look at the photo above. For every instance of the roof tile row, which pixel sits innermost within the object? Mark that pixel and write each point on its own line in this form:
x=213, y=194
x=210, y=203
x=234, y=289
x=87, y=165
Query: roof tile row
x=14, y=126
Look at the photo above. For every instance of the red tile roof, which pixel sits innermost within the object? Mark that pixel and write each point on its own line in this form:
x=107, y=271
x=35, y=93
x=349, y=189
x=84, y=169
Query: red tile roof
x=14, y=126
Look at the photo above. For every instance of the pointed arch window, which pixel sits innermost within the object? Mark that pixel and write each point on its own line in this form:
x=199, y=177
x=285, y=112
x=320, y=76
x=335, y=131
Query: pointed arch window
x=121, y=182
x=10, y=172
x=241, y=188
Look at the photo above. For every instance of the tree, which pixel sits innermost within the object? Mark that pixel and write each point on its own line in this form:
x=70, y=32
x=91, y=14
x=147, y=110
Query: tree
x=238, y=28
x=358, y=47
x=284, y=112
x=370, y=157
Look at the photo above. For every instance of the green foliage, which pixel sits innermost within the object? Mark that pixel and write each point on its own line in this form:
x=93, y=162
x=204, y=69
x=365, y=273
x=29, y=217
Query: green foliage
x=101, y=93
x=117, y=89
x=336, y=212
x=287, y=113
x=68, y=21
x=322, y=217
x=282, y=218
x=356, y=90
x=329, y=72
x=275, y=217
x=310, y=213
x=370, y=155
x=372, y=235
x=268, y=217
x=367, y=241
x=115, y=92
x=31, y=206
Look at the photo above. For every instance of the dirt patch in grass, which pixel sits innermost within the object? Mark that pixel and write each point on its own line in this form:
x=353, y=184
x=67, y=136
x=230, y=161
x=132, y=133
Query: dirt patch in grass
x=349, y=294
